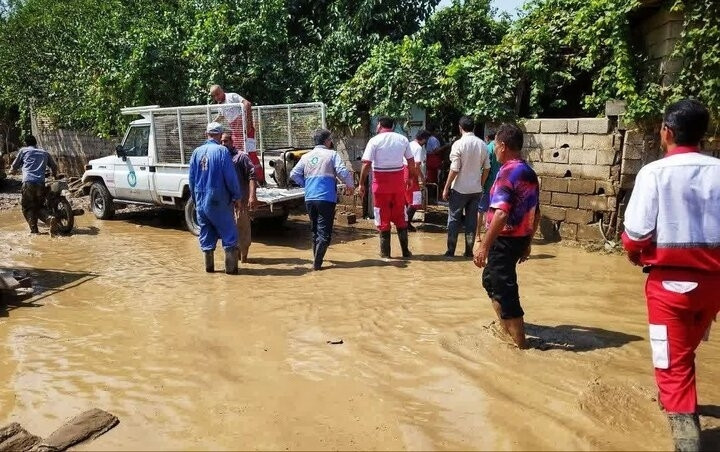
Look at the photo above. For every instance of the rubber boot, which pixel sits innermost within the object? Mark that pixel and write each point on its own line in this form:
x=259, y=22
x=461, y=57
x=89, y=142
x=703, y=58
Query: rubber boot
x=469, y=243
x=231, y=261
x=385, y=244
x=403, y=236
x=685, y=430
x=209, y=261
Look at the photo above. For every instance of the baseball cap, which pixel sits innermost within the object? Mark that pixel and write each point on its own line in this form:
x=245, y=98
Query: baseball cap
x=214, y=127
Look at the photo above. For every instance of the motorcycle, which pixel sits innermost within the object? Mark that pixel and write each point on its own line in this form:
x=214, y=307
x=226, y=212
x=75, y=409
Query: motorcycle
x=57, y=211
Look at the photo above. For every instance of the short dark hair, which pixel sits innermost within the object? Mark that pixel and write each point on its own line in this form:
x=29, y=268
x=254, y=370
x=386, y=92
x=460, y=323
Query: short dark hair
x=689, y=121
x=30, y=140
x=386, y=122
x=320, y=136
x=511, y=135
x=422, y=135
x=491, y=136
x=467, y=123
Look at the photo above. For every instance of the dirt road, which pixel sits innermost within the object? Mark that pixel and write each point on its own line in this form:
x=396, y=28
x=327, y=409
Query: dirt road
x=124, y=319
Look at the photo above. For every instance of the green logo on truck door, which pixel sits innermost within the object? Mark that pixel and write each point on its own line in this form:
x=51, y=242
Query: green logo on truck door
x=132, y=178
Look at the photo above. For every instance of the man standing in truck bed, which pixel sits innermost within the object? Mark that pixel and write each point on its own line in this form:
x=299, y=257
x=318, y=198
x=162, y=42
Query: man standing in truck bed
x=244, y=139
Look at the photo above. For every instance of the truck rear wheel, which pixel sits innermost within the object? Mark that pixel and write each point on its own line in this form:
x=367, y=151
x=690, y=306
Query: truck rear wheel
x=101, y=201
x=191, y=217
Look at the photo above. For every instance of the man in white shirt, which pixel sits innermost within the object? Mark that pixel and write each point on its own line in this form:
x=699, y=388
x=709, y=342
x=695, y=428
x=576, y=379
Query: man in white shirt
x=244, y=140
x=384, y=155
x=413, y=195
x=469, y=168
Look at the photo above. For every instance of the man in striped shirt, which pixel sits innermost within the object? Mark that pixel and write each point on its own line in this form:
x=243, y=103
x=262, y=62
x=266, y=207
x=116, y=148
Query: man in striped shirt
x=672, y=229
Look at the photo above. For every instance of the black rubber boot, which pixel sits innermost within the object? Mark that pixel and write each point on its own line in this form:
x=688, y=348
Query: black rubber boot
x=231, y=261
x=403, y=236
x=385, y=244
x=209, y=261
x=685, y=430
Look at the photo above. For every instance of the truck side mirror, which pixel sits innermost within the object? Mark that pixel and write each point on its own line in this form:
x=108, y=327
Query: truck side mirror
x=120, y=151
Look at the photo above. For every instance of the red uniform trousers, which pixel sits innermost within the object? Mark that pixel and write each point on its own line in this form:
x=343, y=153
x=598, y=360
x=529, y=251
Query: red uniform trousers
x=679, y=315
x=433, y=164
x=389, y=200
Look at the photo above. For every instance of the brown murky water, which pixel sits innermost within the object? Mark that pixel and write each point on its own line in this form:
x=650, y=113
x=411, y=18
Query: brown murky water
x=124, y=319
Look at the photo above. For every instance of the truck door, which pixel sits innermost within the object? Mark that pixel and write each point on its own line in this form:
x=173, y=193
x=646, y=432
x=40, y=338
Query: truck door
x=132, y=176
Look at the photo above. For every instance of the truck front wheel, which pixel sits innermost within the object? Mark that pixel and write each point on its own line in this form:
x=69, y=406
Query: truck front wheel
x=191, y=217
x=101, y=201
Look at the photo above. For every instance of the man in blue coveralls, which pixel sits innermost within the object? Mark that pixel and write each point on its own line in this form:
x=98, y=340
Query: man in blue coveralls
x=318, y=171
x=215, y=190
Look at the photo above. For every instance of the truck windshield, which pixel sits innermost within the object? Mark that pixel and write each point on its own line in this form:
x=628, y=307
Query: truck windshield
x=136, y=141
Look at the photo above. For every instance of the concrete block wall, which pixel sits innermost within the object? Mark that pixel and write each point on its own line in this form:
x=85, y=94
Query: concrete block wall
x=579, y=163
x=661, y=31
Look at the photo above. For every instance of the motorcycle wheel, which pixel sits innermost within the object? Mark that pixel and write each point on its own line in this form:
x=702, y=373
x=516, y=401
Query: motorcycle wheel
x=65, y=216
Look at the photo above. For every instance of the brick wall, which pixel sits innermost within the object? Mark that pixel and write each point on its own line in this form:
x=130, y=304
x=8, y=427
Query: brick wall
x=579, y=164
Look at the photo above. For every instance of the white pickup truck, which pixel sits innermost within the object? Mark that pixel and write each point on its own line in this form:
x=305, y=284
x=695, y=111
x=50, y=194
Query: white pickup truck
x=151, y=165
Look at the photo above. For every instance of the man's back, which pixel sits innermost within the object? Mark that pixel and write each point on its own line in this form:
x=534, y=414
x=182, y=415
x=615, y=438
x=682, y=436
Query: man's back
x=682, y=216
x=212, y=174
x=468, y=157
x=317, y=171
x=386, y=151
x=34, y=163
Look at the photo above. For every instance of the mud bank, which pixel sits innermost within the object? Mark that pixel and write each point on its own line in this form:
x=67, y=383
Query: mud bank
x=124, y=319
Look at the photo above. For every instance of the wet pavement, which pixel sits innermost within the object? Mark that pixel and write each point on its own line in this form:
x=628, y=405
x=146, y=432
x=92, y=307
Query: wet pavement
x=123, y=318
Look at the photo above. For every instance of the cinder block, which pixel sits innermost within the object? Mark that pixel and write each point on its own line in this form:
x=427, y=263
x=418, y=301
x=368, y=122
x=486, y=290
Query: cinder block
x=631, y=166
x=605, y=188
x=532, y=155
x=583, y=156
x=569, y=141
x=551, y=169
x=545, y=197
x=554, y=184
x=530, y=141
x=579, y=216
x=565, y=200
x=627, y=181
x=581, y=186
x=530, y=126
x=552, y=213
x=615, y=107
x=594, y=203
x=597, y=141
x=553, y=126
x=612, y=203
x=557, y=155
x=545, y=140
x=634, y=137
x=633, y=151
x=572, y=126
x=568, y=231
x=589, y=233
x=594, y=125
x=605, y=156
x=596, y=172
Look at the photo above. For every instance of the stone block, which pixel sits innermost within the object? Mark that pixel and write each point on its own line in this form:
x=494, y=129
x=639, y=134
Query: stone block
x=633, y=151
x=568, y=231
x=605, y=188
x=545, y=197
x=634, y=137
x=583, y=156
x=530, y=126
x=565, y=200
x=569, y=141
x=605, y=156
x=594, y=203
x=612, y=203
x=594, y=125
x=631, y=166
x=554, y=126
x=596, y=172
x=579, y=216
x=572, y=126
x=551, y=169
x=557, y=155
x=532, y=154
x=627, y=181
x=552, y=213
x=554, y=184
x=615, y=107
x=589, y=233
x=591, y=141
x=581, y=186
x=546, y=140
x=530, y=141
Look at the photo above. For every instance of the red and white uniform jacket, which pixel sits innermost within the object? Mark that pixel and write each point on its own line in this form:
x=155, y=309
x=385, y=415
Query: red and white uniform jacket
x=673, y=217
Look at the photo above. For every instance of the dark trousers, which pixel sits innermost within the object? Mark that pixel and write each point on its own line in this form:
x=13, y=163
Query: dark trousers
x=322, y=217
x=32, y=202
x=462, y=210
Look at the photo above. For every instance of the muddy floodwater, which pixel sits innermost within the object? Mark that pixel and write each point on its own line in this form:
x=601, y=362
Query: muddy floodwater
x=123, y=318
